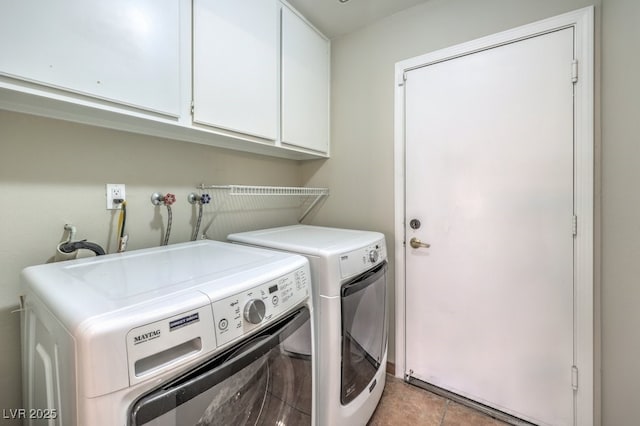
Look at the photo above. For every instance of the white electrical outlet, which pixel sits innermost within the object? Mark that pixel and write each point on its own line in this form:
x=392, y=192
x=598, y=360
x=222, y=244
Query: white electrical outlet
x=115, y=193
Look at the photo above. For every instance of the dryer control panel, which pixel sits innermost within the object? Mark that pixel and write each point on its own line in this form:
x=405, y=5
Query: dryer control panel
x=360, y=260
x=242, y=313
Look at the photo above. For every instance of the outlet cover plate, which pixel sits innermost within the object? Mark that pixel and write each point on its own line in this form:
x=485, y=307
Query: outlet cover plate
x=115, y=191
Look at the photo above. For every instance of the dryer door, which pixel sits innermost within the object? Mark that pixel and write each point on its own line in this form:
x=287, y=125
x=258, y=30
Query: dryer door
x=259, y=381
x=364, y=330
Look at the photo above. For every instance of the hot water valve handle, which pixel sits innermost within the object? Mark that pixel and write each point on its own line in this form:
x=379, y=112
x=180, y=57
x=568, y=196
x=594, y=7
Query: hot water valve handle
x=169, y=199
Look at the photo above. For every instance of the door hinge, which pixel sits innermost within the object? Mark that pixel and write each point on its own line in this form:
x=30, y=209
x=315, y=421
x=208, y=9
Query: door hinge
x=193, y=107
x=402, y=78
x=574, y=71
x=574, y=225
x=574, y=377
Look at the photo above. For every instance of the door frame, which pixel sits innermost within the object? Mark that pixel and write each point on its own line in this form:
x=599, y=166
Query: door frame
x=582, y=20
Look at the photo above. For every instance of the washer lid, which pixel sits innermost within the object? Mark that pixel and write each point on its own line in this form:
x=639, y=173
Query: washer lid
x=311, y=240
x=150, y=281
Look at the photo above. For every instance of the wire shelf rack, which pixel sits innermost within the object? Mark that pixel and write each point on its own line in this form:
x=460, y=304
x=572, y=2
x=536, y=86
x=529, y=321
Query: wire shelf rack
x=269, y=190
x=244, y=206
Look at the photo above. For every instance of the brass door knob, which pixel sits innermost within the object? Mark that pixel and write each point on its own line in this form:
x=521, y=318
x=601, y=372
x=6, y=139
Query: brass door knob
x=416, y=243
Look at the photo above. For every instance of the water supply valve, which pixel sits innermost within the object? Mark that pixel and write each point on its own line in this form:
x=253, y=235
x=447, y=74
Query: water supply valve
x=194, y=198
x=169, y=199
x=158, y=199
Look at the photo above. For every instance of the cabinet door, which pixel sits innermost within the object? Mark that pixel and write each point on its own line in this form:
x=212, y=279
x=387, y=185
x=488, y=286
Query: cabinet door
x=235, y=65
x=118, y=50
x=305, y=84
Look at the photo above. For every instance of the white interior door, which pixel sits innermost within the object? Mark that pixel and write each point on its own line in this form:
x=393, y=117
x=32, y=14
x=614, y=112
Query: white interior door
x=490, y=177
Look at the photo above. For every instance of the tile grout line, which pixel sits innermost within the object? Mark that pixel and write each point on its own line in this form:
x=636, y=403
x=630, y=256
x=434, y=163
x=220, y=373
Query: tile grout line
x=444, y=414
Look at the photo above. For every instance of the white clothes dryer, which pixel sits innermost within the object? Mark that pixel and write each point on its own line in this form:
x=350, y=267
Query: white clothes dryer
x=348, y=270
x=191, y=333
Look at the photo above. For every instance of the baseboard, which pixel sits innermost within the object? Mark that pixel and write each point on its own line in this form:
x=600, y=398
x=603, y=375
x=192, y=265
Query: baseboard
x=391, y=368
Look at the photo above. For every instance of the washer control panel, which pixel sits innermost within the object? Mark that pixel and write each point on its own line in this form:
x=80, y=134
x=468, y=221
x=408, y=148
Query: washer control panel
x=243, y=312
x=362, y=259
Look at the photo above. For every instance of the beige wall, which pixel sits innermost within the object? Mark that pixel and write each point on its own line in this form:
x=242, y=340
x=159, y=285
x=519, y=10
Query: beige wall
x=620, y=212
x=54, y=172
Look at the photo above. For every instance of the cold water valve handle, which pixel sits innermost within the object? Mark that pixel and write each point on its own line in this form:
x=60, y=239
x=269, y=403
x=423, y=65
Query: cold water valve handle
x=194, y=198
x=200, y=201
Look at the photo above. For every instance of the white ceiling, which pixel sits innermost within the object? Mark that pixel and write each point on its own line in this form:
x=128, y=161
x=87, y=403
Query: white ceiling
x=334, y=19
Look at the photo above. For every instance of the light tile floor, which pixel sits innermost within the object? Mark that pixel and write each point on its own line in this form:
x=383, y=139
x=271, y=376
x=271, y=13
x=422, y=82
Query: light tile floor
x=404, y=404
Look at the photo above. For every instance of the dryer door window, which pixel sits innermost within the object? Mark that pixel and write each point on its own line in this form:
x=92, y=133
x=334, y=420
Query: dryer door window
x=259, y=382
x=364, y=330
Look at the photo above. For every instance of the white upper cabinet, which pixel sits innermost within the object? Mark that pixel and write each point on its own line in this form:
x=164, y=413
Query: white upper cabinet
x=119, y=50
x=235, y=65
x=248, y=75
x=305, y=84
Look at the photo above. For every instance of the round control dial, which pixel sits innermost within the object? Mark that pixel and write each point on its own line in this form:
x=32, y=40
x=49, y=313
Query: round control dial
x=373, y=256
x=254, y=311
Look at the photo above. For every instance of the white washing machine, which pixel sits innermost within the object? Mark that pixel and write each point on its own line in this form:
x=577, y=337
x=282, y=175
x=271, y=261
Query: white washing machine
x=349, y=270
x=187, y=334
